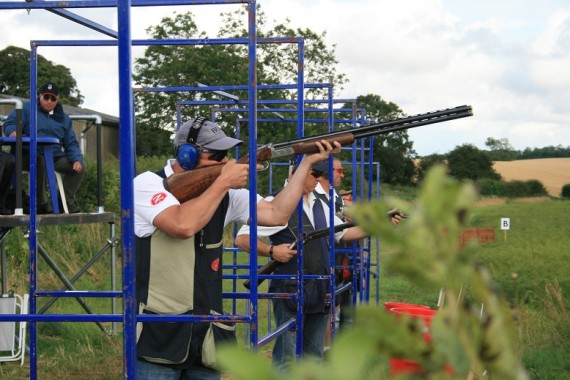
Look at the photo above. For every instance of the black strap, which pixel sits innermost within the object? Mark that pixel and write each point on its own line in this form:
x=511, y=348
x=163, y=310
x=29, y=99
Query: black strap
x=195, y=129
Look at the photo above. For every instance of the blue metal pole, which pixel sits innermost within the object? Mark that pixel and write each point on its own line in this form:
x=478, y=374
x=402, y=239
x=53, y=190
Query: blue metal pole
x=356, y=251
x=127, y=168
x=252, y=98
x=332, y=212
x=300, y=247
x=33, y=209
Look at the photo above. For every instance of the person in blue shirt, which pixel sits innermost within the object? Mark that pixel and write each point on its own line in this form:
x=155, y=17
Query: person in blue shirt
x=68, y=160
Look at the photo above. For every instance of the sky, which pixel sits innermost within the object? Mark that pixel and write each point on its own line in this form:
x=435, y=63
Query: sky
x=508, y=59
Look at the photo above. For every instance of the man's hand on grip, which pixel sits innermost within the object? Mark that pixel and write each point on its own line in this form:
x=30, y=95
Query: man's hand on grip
x=325, y=150
x=234, y=175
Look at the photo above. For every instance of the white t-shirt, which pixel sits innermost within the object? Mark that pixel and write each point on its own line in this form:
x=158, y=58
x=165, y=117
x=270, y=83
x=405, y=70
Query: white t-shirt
x=263, y=231
x=319, y=189
x=151, y=198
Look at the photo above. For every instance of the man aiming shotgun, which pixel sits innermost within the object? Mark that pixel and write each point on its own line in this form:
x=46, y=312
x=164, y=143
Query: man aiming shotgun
x=179, y=244
x=190, y=184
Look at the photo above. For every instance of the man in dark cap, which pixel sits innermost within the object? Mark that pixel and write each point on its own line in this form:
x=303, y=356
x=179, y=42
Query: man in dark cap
x=343, y=276
x=316, y=261
x=68, y=160
x=179, y=248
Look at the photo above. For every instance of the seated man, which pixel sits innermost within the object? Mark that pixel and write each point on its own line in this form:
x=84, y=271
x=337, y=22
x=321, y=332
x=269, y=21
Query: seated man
x=68, y=160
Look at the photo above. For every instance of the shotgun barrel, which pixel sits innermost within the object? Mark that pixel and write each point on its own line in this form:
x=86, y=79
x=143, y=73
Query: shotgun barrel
x=192, y=183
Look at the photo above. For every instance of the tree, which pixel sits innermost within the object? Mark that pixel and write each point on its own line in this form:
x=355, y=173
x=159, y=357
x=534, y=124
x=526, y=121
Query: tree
x=427, y=162
x=183, y=65
x=468, y=162
x=546, y=152
x=393, y=150
x=500, y=149
x=15, y=76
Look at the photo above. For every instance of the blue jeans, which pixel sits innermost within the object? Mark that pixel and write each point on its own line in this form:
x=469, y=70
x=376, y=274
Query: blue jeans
x=150, y=371
x=314, y=330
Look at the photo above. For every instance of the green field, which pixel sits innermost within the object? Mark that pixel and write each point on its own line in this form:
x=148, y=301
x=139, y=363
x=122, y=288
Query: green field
x=528, y=263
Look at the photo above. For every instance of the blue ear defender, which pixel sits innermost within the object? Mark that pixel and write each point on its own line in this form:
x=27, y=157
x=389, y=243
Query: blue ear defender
x=187, y=154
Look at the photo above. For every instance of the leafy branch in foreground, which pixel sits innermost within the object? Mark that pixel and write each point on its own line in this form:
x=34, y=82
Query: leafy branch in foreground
x=473, y=337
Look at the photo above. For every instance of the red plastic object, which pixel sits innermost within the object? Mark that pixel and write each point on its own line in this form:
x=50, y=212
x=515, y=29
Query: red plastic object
x=399, y=366
x=391, y=305
x=406, y=366
x=417, y=312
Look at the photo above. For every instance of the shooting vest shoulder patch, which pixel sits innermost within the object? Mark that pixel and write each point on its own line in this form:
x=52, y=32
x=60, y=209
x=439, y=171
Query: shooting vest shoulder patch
x=157, y=198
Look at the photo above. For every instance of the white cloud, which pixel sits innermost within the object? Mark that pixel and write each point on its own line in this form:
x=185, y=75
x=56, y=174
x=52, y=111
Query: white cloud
x=511, y=66
x=553, y=40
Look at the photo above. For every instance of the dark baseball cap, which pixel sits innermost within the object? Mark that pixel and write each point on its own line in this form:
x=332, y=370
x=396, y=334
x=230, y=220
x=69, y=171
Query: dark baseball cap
x=49, y=88
x=321, y=166
x=211, y=136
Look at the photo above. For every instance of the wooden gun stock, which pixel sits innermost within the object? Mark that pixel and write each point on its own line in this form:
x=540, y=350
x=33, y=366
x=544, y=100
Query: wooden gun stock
x=190, y=184
x=266, y=269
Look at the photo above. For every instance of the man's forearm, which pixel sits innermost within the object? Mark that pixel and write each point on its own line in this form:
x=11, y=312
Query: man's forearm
x=263, y=248
x=286, y=201
x=354, y=233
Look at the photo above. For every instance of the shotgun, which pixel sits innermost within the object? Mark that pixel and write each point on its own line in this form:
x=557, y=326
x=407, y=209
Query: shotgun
x=273, y=264
x=192, y=183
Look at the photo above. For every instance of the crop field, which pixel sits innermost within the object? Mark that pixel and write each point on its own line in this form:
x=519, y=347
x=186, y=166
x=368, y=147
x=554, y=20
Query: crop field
x=553, y=173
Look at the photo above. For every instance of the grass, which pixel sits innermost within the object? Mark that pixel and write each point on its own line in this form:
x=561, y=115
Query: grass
x=529, y=266
x=532, y=253
x=67, y=350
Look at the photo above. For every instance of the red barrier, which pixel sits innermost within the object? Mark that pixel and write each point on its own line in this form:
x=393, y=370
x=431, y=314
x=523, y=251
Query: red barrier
x=400, y=366
x=392, y=305
x=417, y=312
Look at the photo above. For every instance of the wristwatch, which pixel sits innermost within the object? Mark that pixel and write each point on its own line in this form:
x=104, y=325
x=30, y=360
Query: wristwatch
x=271, y=251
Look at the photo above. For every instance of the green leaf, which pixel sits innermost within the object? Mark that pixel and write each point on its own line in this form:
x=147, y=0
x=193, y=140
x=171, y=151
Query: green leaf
x=241, y=364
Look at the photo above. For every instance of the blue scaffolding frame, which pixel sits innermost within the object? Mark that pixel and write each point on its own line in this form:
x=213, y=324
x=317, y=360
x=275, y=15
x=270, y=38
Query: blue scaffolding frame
x=122, y=39
x=360, y=256
x=127, y=154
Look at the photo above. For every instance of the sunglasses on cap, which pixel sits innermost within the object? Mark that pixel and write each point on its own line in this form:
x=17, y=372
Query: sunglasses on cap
x=218, y=155
x=48, y=97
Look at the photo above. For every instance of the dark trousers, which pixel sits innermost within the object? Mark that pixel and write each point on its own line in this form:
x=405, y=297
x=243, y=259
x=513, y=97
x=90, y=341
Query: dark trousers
x=71, y=179
x=7, y=164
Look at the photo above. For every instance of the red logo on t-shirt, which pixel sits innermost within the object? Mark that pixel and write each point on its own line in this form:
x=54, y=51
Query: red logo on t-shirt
x=216, y=265
x=157, y=198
